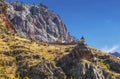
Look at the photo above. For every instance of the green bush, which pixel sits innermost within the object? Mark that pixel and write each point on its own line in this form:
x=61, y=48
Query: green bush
x=26, y=77
x=104, y=65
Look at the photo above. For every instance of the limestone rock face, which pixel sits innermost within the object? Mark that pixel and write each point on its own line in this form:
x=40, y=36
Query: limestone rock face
x=38, y=23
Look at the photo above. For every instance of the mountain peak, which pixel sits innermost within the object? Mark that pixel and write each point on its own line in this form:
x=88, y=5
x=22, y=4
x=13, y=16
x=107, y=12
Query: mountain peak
x=117, y=54
x=38, y=23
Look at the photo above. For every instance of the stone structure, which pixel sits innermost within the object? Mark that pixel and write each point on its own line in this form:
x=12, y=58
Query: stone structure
x=82, y=40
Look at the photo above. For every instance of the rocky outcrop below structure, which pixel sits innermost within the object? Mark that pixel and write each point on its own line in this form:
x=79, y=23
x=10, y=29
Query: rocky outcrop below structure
x=85, y=63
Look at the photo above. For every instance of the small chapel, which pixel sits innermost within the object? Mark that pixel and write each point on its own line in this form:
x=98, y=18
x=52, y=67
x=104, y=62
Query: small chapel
x=82, y=40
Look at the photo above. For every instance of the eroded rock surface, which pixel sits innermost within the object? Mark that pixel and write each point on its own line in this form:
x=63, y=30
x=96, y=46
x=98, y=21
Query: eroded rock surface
x=38, y=23
x=84, y=63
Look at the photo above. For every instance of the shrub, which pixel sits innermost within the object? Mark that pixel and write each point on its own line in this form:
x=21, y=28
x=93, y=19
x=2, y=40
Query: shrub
x=49, y=50
x=67, y=50
x=104, y=65
x=26, y=77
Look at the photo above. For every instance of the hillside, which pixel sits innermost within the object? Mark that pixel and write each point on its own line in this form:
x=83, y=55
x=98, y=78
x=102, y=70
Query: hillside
x=22, y=58
x=85, y=62
x=16, y=51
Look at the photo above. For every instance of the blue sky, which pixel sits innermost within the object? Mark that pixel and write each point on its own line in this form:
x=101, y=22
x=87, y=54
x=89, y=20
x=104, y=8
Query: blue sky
x=97, y=20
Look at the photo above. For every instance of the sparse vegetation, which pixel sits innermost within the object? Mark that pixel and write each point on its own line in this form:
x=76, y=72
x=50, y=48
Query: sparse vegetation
x=26, y=77
x=12, y=46
x=103, y=65
x=17, y=52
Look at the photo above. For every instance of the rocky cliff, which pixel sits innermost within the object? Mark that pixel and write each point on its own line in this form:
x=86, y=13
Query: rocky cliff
x=85, y=62
x=38, y=23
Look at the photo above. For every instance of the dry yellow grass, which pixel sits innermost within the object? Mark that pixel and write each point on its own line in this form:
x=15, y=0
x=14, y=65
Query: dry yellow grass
x=13, y=42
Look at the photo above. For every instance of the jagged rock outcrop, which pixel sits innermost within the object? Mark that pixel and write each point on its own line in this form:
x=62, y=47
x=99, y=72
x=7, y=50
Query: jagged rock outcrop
x=84, y=63
x=38, y=23
x=85, y=70
x=78, y=64
x=46, y=70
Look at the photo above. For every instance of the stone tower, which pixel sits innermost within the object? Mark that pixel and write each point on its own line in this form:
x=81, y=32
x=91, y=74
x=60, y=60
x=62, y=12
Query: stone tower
x=82, y=40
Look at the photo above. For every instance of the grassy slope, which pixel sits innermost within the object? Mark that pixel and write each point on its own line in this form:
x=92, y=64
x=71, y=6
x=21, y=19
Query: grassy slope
x=101, y=61
x=10, y=42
